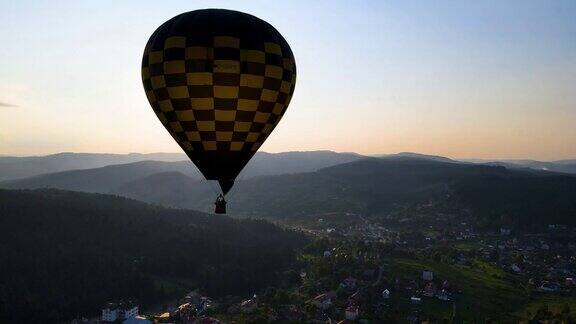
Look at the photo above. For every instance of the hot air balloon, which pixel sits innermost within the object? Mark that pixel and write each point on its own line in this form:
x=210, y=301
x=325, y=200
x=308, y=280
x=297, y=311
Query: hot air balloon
x=219, y=81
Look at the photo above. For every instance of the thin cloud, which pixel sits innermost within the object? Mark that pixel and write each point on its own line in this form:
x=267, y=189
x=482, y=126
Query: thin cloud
x=5, y=104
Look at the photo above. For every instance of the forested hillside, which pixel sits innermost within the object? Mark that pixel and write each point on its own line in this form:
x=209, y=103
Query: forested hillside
x=66, y=253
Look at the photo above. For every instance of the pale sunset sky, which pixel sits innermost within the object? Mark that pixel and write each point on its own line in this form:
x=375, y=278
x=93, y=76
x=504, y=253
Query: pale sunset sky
x=464, y=79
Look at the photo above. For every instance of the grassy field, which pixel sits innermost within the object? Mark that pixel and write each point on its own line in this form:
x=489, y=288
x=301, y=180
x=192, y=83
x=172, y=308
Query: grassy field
x=554, y=303
x=486, y=292
x=465, y=246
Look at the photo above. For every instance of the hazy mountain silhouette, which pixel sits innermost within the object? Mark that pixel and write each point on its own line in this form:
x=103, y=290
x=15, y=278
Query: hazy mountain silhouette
x=173, y=189
x=261, y=164
x=377, y=186
x=372, y=186
x=295, y=162
x=109, y=178
x=20, y=167
x=411, y=155
x=103, y=179
x=564, y=166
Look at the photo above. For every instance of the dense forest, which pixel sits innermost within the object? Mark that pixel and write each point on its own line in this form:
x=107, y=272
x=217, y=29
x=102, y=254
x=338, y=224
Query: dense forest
x=525, y=201
x=64, y=254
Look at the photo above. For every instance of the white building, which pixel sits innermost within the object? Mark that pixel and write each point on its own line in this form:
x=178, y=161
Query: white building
x=386, y=294
x=119, y=311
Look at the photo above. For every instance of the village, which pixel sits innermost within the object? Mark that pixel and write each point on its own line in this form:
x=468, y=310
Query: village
x=371, y=273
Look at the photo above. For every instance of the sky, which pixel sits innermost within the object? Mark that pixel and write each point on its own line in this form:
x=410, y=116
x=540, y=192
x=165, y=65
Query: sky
x=464, y=79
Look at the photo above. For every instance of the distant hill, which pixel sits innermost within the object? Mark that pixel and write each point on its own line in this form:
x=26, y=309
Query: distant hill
x=262, y=163
x=295, y=162
x=104, y=179
x=376, y=187
x=573, y=161
x=64, y=254
x=173, y=189
x=564, y=166
x=411, y=155
x=21, y=167
x=371, y=186
x=109, y=178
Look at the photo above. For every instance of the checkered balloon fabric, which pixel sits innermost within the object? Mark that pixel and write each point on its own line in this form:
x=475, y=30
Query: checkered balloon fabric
x=219, y=81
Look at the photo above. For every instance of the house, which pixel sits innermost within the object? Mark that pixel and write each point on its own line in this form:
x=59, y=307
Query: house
x=204, y=304
x=351, y=312
x=549, y=287
x=386, y=294
x=119, y=311
x=324, y=301
x=515, y=268
x=192, y=297
x=248, y=306
x=327, y=254
x=184, y=310
x=415, y=300
x=162, y=318
x=427, y=275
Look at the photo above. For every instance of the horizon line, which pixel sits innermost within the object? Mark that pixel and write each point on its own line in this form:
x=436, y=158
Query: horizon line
x=304, y=151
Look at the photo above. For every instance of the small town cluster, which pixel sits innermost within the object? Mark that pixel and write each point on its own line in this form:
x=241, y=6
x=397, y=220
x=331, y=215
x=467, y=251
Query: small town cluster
x=414, y=271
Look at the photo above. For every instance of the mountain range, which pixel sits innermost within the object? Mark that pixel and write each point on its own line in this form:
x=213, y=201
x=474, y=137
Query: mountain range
x=564, y=166
x=13, y=167
x=295, y=184
x=261, y=164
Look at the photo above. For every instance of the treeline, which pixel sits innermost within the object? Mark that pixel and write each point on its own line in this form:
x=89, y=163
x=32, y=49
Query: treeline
x=64, y=254
x=523, y=201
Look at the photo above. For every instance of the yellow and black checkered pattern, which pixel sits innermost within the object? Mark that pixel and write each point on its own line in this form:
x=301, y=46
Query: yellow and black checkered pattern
x=220, y=97
x=218, y=91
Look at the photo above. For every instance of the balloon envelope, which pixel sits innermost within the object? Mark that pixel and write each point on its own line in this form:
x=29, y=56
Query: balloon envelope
x=219, y=81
